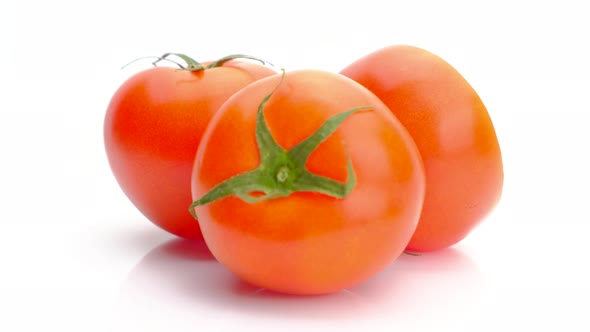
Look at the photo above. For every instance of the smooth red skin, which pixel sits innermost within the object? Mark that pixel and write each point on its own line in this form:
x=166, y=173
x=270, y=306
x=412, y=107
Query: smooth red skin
x=453, y=131
x=310, y=243
x=152, y=129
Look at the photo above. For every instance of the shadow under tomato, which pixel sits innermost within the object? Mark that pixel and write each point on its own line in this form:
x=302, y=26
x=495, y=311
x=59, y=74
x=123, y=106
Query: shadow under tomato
x=184, y=275
x=421, y=286
x=136, y=236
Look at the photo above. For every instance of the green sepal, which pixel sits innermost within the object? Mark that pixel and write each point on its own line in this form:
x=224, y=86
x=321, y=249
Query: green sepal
x=191, y=64
x=225, y=59
x=282, y=172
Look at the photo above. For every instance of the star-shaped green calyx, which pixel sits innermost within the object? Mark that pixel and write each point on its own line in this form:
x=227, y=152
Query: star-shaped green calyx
x=282, y=172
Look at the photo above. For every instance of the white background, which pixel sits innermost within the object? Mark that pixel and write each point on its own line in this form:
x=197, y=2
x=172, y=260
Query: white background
x=75, y=255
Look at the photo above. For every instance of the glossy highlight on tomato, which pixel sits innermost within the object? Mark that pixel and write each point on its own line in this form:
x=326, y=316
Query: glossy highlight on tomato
x=153, y=126
x=453, y=131
x=300, y=212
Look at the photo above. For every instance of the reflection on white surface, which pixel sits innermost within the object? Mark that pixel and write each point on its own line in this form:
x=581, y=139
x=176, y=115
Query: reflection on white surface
x=181, y=280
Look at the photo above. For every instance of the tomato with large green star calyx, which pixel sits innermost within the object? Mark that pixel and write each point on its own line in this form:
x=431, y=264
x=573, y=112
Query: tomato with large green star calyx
x=305, y=183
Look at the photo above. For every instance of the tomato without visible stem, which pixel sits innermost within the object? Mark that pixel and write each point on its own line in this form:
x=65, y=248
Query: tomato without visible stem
x=286, y=228
x=453, y=131
x=152, y=129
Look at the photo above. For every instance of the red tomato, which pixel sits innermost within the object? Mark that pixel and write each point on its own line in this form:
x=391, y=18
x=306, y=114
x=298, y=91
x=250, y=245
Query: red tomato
x=297, y=209
x=153, y=127
x=453, y=131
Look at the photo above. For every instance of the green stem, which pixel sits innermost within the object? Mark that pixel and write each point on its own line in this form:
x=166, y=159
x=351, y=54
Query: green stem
x=283, y=172
x=225, y=59
x=191, y=64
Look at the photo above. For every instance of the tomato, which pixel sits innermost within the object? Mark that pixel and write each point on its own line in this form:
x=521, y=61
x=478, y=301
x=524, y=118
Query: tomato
x=309, y=189
x=453, y=131
x=152, y=128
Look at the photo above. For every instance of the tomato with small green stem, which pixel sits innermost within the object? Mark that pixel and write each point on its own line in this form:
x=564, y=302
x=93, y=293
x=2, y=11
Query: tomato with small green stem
x=453, y=131
x=153, y=126
x=318, y=188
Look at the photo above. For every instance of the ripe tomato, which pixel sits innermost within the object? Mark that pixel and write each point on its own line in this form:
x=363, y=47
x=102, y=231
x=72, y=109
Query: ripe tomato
x=287, y=204
x=152, y=129
x=453, y=131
